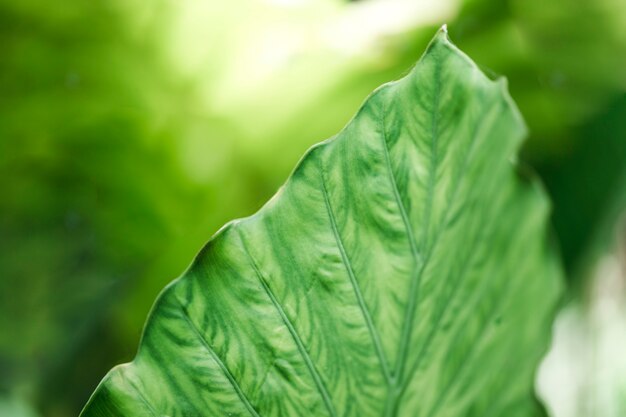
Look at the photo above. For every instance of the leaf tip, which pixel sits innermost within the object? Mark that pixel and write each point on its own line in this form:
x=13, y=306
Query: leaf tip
x=442, y=35
x=440, y=40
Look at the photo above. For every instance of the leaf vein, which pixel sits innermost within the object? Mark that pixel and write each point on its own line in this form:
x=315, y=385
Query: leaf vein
x=141, y=395
x=455, y=189
x=452, y=382
x=231, y=378
x=294, y=333
x=355, y=284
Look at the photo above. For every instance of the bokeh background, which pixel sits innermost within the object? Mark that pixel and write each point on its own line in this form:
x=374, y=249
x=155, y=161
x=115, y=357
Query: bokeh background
x=131, y=130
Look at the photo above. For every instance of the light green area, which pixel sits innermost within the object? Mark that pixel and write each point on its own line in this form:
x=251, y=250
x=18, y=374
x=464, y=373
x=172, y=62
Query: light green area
x=390, y=276
x=14, y=407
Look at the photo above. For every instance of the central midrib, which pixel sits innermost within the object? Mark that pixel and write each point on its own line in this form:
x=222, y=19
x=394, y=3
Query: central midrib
x=391, y=407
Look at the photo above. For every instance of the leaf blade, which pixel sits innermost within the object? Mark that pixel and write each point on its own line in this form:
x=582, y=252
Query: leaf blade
x=332, y=298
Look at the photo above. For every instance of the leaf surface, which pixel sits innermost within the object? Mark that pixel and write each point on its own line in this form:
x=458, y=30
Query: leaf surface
x=402, y=270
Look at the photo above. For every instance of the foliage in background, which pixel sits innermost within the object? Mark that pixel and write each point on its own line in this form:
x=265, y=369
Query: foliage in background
x=130, y=131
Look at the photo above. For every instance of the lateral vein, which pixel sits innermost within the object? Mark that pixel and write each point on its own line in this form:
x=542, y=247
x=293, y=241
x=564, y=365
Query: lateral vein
x=294, y=333
x=220, y=363
x=355, y=284
x=412, y=243
x=141, y=396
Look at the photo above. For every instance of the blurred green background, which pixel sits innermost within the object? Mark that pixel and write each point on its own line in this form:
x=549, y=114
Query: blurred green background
x=130, y=131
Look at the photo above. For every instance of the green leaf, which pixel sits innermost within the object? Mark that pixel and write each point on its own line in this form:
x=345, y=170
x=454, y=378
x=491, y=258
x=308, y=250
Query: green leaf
x=402, y=270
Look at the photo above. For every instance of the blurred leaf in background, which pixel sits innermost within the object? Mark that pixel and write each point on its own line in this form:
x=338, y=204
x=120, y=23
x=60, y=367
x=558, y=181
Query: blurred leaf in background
x=130, y=131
